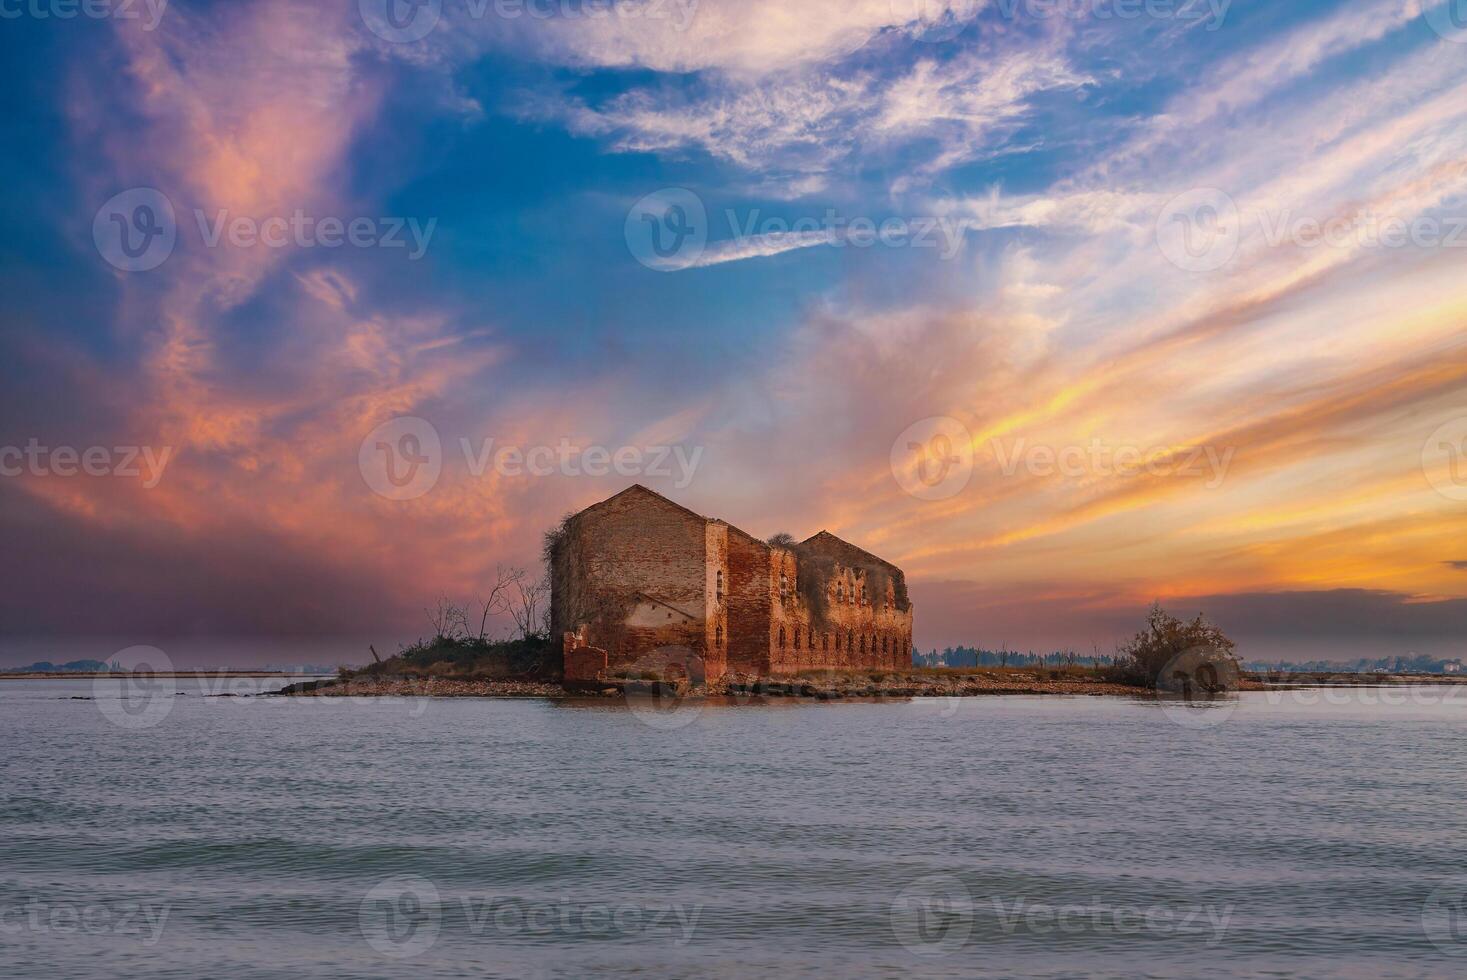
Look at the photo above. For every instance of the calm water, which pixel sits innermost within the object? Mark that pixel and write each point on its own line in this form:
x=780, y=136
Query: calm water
x=1006, y=837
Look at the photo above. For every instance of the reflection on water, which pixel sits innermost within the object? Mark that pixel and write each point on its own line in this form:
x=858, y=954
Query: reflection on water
x=1296, y=833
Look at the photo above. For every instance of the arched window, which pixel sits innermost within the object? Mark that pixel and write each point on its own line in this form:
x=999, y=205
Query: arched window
x=784, y=584
x=863, y=643
x=797, y=639
x=850, y=639
x=718, y=636
x=837, y=642
x=883, y=644
x=781, y=637
x=720, y=583
x=840, y=592
x=825, y=642
x=811, y=638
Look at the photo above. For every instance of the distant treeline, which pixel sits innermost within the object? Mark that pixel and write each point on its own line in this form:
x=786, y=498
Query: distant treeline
x=1418, y=664
x=47, y=667
x=976, y=657
x=97, y=666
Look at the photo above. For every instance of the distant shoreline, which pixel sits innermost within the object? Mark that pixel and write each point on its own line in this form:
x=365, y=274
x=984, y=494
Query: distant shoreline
x=962, y=684
x=175, y=674
x=1256, y=681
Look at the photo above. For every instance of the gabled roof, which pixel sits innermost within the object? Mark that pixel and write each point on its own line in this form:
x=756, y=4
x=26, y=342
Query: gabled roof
x=825, y=541
x=637, y=490
x=739, y=531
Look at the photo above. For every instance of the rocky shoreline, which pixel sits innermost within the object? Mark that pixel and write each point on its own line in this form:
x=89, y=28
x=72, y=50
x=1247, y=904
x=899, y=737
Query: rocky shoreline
x=961, y=686
x=820, y=687
x=429, y=687
x=824, y=688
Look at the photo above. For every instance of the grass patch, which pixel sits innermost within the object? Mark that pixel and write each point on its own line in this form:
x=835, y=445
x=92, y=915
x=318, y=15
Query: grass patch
x=470, y=659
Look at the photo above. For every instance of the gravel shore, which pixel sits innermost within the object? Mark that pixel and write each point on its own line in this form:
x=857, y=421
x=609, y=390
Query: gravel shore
x=824, y=687
x=435, y=687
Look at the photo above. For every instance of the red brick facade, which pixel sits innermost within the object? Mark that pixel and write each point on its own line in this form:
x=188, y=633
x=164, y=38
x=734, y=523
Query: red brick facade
x=659, y=587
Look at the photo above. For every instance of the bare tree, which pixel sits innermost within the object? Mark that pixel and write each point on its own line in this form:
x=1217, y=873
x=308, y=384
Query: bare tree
x=449, y=621
x=498, y=600
x=527, y=602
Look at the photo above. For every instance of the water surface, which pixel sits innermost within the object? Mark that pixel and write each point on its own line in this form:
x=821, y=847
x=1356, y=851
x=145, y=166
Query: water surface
x=1043, y=837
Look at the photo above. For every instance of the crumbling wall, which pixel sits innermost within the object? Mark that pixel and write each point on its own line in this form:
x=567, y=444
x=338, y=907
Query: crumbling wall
x=631, y=570
x=748, y=604
x=638, y=575
x=839, y=617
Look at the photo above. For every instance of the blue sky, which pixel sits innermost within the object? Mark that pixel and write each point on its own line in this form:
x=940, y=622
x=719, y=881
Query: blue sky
x=1099, y=239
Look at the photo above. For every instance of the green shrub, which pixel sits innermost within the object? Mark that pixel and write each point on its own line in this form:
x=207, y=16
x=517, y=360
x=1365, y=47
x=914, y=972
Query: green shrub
x=1164, y=640
x=469, y=658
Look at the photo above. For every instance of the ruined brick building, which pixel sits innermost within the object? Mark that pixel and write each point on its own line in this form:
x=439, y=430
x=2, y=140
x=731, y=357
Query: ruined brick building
x=641, y=583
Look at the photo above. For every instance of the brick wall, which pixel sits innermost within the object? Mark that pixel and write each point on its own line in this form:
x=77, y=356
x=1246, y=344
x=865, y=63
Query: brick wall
x=748, y=605
x=861, y=630
x=667, y=579
x=642, y=559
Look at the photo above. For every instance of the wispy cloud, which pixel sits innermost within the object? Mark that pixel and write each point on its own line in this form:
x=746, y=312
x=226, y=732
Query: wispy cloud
x=807, y=122
x=1320, y=370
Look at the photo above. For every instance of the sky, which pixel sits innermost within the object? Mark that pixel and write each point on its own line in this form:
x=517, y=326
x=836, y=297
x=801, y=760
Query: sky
x=317, y=311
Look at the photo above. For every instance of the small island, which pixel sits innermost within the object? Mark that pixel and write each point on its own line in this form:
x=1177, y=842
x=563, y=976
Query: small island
x=643, y=595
